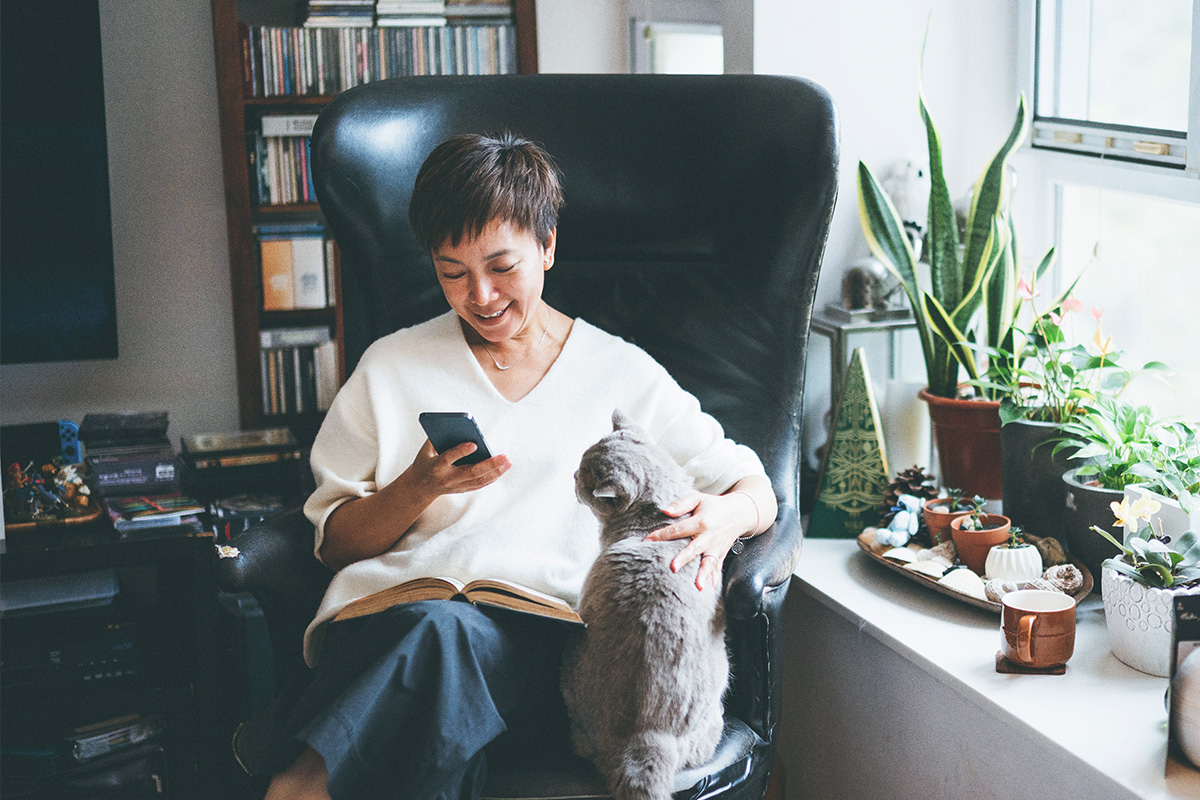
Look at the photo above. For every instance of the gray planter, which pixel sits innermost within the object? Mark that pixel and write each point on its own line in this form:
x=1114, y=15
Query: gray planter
x=1034, y=493
x=1084, y=507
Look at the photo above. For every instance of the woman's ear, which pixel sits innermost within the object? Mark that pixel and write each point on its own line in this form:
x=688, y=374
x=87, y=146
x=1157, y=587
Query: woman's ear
x=548, y=250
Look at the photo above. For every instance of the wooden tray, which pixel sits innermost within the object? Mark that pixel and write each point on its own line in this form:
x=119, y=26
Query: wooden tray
x=54, y=524
x=866, y=543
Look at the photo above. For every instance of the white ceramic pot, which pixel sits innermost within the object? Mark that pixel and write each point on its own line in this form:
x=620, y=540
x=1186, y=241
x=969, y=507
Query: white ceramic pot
x=1140, y=622
x=1019, y=564
x=1185, y=706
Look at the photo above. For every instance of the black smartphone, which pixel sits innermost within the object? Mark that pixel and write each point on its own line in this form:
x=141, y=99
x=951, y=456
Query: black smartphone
x=447, y=429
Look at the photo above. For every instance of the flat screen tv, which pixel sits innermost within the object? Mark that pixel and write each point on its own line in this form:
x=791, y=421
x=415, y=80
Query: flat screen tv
x=57, y=292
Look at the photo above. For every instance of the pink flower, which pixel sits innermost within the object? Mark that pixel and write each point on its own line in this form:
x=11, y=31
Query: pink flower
x=1055, y=318
x=1072, y=304
x=1097, y=313
x=1025, y=289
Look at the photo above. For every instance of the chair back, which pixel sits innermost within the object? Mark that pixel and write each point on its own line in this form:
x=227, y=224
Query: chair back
x=696, y=214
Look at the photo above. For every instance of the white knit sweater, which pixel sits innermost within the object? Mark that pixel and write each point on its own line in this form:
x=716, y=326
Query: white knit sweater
x=528, y=526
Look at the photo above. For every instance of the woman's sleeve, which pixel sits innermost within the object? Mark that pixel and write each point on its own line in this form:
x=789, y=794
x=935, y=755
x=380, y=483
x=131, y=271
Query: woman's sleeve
x=344, y=455
x=696, y=440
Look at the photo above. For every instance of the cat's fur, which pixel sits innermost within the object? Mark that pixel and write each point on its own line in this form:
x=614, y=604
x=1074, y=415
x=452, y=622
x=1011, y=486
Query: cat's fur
x=645, y=680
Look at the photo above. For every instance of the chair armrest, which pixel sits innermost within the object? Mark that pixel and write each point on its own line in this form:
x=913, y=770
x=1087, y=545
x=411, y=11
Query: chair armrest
x=273, y=556
x=276, y=564
x=767, y=562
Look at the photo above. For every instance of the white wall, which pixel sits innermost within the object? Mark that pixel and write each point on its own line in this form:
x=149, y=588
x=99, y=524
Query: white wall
x=174, y=313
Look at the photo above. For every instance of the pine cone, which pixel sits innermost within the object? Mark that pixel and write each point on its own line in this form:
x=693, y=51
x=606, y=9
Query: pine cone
x=911, y=481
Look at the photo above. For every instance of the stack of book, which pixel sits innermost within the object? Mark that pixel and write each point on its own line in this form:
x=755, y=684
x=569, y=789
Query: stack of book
x=398, y=13
x=340, y=14
x=280, y=160
x=144, y=512
x=326, y=61
x=299, y=370
x=297, y=266
x=129, y=453
x=477, y=11
x=244, y=477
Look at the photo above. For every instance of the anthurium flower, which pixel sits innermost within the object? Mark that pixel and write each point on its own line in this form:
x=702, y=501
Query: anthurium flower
x=1025, y=288
x=1097, y=313
x=1105, y=345
x=1072, y=304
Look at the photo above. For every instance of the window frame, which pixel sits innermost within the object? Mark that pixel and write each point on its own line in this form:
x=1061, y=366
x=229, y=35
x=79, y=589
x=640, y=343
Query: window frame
x=1114, y=143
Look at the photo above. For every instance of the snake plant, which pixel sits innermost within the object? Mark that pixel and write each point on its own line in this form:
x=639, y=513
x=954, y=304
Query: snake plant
x=978, y=271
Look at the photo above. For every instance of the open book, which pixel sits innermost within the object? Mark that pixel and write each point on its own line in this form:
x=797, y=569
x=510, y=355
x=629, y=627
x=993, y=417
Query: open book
x=483, y=592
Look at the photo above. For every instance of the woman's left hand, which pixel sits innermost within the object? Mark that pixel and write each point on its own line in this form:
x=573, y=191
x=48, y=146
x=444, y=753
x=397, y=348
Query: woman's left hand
x=715, y=523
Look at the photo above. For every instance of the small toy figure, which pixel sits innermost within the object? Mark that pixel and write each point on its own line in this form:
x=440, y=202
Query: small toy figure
x=904, y=524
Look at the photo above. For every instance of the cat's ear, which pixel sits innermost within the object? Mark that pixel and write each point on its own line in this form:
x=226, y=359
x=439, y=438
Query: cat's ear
x=606, y=490
x=620, y=421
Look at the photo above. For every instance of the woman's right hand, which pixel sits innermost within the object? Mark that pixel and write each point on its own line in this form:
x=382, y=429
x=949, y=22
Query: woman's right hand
x=434, y=475
x=370, y=525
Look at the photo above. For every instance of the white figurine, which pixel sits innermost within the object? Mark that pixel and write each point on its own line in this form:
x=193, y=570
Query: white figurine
x=904, y=524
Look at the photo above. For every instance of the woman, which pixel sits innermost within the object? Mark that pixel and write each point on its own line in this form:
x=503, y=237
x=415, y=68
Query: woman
x=403, y=702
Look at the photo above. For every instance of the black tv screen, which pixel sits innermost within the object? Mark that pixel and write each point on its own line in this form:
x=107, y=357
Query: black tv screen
x=57, y=292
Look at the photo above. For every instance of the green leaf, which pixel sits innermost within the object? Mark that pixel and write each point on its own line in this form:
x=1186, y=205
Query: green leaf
x=951, y=335
x=988, y=197
x=945, y=271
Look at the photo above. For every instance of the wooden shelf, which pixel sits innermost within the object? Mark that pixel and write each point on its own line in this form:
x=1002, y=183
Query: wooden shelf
x=239, y=114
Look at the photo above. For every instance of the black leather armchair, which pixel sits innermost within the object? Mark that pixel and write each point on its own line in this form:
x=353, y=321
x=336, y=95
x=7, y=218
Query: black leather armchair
x=697, y=210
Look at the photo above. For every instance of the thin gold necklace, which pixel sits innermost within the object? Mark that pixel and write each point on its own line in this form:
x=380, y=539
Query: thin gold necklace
x=536, y=347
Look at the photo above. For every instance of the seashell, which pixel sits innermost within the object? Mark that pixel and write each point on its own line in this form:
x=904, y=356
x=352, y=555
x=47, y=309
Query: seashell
x=1042, y=583
x=965, y=582
x=901, y=554
x=946, y=550
x=930, y=568
x=1051, y=549
x=995, y=589
x=1066, y=578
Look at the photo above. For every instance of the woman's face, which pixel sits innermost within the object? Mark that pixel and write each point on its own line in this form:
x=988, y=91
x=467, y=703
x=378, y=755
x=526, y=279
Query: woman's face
x=494, y=281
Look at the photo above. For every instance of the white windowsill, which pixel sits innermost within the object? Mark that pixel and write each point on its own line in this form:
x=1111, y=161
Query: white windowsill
x=1102, y=719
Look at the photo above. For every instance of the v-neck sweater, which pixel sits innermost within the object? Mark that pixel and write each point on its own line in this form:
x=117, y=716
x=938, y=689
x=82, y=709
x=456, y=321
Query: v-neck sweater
x=528, y=526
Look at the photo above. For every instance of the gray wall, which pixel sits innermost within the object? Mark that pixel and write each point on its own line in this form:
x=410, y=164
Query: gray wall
x=174, y=316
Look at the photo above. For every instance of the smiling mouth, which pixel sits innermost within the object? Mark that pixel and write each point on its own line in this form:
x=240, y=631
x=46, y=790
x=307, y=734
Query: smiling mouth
x=492, y=316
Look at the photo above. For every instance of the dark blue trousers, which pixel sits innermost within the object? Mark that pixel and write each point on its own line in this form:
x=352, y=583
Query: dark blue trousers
x=403, y=702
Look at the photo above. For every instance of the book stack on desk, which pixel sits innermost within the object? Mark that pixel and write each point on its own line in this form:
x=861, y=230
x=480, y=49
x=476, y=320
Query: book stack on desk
x=134, y=471
x=244, y=477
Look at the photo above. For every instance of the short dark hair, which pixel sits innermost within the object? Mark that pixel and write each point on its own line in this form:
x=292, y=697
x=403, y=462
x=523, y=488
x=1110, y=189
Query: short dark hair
x=471, y=179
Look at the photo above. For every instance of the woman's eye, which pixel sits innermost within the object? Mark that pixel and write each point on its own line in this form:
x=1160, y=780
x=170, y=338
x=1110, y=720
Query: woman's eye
x=502, y=270
x=451, y=276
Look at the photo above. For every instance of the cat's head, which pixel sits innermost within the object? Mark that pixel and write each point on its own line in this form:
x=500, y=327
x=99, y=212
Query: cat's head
x=627, y=467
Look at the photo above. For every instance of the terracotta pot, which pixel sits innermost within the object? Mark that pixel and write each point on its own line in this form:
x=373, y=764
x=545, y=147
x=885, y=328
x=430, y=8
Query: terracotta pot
x=938, y=522
x=967, y=433
x=1085, y=506
x=973, y=546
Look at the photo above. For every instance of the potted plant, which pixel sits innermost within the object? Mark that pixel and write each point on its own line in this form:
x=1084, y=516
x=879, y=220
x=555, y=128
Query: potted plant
x=1043, y=384
x=1139, y=585
x=939, y=511
x=1119, y=439
x=974, y=273
x=1172, y=482
x=976, y=533
x=1015, y=561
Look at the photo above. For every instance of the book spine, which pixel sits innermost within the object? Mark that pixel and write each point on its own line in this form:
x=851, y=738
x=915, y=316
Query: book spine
x=308, y=267
x=278, y=280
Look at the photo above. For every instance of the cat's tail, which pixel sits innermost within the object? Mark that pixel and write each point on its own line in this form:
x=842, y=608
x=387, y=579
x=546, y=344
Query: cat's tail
x=646, y=770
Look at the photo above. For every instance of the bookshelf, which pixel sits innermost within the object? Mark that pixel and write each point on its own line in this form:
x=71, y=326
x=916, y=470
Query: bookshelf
x=241, y=112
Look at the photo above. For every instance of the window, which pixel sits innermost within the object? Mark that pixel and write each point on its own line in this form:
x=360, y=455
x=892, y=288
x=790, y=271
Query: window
x=676, y=48
x=1114, y=78
x=1116, y=171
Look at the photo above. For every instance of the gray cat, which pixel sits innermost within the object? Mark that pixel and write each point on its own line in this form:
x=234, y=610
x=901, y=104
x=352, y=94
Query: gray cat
x=644, y=682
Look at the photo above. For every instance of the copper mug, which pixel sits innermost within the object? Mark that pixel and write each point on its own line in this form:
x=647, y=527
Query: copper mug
x=1038, y=628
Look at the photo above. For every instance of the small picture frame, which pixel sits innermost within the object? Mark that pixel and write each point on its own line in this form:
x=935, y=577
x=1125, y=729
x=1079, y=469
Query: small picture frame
x=1185, y=639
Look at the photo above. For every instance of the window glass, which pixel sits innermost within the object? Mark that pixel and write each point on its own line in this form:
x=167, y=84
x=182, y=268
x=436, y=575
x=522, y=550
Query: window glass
x=1115, y=61
x=1141, y=257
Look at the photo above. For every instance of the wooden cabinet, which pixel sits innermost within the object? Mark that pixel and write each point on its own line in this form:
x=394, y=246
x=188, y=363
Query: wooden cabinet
x=271, y=389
